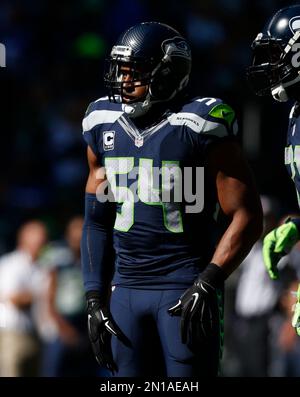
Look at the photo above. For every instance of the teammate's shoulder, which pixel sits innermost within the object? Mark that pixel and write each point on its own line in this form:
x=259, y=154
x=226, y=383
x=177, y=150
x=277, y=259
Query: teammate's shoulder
x=295, y=110
x=101, y=111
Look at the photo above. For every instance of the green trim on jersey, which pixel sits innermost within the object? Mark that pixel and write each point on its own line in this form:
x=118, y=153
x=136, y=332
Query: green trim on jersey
x=221, y=327
x=224, y=112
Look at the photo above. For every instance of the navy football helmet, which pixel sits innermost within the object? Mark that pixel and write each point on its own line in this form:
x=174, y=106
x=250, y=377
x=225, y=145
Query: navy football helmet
x=158, y=57
x=275, y=68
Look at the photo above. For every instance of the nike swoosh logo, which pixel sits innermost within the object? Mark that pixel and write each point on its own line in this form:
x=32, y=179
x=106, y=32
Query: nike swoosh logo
x=196, y=295
x=110, y=329
x=103, y=317
x=106, y=323
x=226, y=113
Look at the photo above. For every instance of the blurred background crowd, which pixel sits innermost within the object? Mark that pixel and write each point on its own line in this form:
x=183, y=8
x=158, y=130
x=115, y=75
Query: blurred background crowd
x=55, y=56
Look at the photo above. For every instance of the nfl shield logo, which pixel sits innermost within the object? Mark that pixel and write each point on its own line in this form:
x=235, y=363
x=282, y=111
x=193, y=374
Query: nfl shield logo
x=139, y=141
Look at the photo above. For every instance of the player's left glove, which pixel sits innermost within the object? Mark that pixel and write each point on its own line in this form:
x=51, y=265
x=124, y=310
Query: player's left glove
x=278, y=243
x=296, y=316
x=199, y=306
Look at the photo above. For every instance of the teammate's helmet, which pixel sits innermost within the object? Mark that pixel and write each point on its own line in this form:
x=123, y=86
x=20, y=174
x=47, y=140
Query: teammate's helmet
x=158, y=56
x=276, y=68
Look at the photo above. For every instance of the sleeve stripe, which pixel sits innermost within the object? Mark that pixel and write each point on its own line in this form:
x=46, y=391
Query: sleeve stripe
x=198, y=124
x=191, y=120
x=104, y=98
x=99, y=117
x=292, y=112
x=215, y=129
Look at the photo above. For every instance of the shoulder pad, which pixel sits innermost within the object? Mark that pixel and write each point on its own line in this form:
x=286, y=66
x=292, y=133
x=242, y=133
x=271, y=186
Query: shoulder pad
x=207, y=116
x=224, y=114
x=99, y=112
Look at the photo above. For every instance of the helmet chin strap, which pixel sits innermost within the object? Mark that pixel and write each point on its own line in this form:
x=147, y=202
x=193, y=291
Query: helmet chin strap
x=137, y=109
x=279, y=93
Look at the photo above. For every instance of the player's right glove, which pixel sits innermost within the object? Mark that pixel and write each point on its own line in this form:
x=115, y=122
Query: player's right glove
x=278, y=243
x=296, y=316
x=101, y=327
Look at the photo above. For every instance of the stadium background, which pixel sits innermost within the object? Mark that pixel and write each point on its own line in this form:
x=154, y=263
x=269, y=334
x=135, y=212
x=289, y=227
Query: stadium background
x=54, y=67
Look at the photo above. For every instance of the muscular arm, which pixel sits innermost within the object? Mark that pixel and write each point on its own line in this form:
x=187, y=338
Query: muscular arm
x=239, y=202
x=238, y=198
x=93, y=181
x=96, y=243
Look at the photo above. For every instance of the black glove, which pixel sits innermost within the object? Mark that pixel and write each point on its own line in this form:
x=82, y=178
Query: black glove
x=199, y=306
x=101, y=327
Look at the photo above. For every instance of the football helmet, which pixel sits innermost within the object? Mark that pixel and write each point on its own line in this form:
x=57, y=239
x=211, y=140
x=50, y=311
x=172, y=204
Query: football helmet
x=275, y=69
x=158, y=57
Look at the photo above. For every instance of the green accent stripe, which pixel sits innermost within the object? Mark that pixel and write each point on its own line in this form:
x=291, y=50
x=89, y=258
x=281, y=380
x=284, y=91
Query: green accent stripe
x=224, y=112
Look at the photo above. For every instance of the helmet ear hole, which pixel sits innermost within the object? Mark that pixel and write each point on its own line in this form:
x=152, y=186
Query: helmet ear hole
x=165, y=82
x=162, y=86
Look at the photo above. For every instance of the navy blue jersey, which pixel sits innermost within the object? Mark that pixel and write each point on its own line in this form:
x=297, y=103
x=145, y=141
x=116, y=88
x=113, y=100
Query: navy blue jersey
x=157, y=243
x=292, y=149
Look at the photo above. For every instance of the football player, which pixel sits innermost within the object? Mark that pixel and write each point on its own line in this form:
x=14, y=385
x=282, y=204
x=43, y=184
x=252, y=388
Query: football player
x=168, y=274
x=276, y=72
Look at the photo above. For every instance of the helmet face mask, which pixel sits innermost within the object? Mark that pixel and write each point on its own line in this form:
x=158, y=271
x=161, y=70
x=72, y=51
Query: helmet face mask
x=270, y=66
x=272, y=71
x=118, y=84
x=149, y=55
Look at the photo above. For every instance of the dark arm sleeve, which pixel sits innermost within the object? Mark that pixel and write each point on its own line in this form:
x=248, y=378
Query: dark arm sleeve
x=97, y=253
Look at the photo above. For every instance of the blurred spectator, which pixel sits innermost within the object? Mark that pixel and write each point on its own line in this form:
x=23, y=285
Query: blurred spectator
x=20, y=288
x=68, y=354
x=65, y=145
